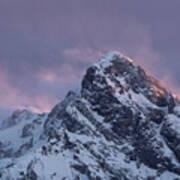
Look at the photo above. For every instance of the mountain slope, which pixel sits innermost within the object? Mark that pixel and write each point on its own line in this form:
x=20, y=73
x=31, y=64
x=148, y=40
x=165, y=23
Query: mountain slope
x=122, y=126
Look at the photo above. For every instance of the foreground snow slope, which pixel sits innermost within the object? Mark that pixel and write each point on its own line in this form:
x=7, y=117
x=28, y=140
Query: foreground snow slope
x=122, y=126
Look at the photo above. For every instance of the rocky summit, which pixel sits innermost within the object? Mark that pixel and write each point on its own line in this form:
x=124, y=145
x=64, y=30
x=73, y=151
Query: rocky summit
x=123, y=125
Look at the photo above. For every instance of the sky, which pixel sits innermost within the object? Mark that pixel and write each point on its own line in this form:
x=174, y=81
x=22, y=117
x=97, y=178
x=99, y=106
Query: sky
x=46, y=46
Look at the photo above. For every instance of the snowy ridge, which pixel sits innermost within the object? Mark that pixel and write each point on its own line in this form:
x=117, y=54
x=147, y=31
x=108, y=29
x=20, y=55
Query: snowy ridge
x=122, y=126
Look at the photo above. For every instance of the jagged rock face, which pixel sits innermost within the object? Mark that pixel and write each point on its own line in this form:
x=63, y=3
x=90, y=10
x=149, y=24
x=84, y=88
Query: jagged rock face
x=122, y=126
x=170, y=131
x=125, y=76
x=104, y=87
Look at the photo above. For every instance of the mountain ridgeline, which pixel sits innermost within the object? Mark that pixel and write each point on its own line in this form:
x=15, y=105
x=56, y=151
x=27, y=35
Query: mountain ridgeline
x=123, y=125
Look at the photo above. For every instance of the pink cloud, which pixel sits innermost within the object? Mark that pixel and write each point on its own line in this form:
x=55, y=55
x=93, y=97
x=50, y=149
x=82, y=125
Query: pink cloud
x=13, y=98
x=65, y=74
x=47, y=76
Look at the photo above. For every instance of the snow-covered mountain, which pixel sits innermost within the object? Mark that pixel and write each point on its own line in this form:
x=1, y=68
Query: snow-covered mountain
x=123, y=125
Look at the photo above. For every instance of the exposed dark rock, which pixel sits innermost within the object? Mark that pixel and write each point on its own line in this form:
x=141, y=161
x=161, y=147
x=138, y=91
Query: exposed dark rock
x=156, y=115
x=24, y=147
x=27, y=130
x=172, y=137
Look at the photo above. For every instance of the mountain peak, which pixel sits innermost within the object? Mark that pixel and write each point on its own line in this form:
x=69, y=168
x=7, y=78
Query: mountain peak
x=118, y=75
x=110, y=57
x=16, y=117
x=122, y=125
